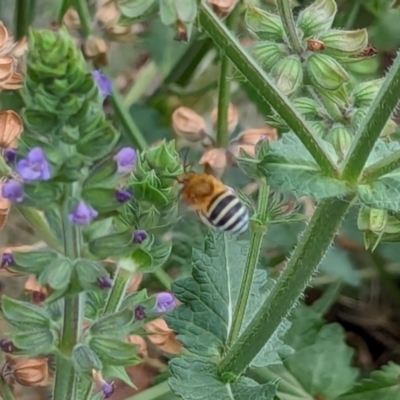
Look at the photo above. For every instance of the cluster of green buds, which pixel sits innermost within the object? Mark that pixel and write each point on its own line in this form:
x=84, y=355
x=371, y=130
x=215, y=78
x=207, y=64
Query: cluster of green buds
x=180, y=14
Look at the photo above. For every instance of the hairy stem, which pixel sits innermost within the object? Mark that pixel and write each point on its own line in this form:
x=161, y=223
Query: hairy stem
x=135, y=136
x=64, y=6
x=65, y=385
x=382, y=167
x=285, y=12
x=117, y=292
x=295, y=277
x=5, y=391
x=258, y=228
x=224, y=91
x=84, y=16
x=158, y=392
x=264, y=86
x=369, y=131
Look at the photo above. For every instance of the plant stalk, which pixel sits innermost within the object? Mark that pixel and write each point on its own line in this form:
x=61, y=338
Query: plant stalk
x=117, y=292
x=382, y=167
x=84, y=17
x=65, y=380
x=5, y=391
x=372, y=125
x=285, y=12
x=158, y=392
x=265, y=88
x=24, y=14
x=295, y=277
x=258, y=228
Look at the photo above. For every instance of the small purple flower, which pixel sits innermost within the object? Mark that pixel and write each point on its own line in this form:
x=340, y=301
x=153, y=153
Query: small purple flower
x=13, y=190
x=105, y=282
x=139, y=236
x=108, y=389
x=165, y=302
x=7, y=260
x=82, y=214
x=123, y=195
x=140, y=314
x=9, y=155
x=126, y=160
x=34, y=167
x=7, y=345
x=103, y=82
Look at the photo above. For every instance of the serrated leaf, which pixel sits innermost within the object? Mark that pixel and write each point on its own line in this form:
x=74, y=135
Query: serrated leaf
x=382, y=385
x=196, y=378
x=209, y=299
x=307, y=371
x=287, y=164
x=113, y=325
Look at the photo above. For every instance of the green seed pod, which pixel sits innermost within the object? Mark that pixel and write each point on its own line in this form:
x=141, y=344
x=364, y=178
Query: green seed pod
x=317, y=17
x=288, y=74
x=341, y=140
x=308, y=107
x=365, y=92
x=319, y=128
x=325, y=72
x=342, y=44
x=269, y=53
x=264, y=24
x=358, y=117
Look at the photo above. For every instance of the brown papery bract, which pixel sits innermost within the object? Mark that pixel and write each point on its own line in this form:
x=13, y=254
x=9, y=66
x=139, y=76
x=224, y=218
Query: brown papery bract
x=11, y=127
x=5, y=205
x=71, y=19
x=6, y=41
x=162, y=336
x=215, y=161
x=108, y=14
x=96, y=49
x=141, y=343
x=188, y=124
x=222, y=7
x=6, y=69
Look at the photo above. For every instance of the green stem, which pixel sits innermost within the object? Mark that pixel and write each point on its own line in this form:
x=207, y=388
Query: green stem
x=24, y=14
x=158, y=392
x=144, y=78
x=65, y=4
x=295, y=277
x=163, y=278
x=257, y=233
x=372, y=125
x=224, y=92
x=382, y=167
x=135, y=136
x=264, y=86
x=5, y=391
x=117, y=293
x=84, y=16
x=65, y=381
x=352, y=15
x=40, y=226
x=285, y=12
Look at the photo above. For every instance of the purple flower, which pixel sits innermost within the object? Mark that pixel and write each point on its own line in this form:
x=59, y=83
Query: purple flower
x=82, y=214
x=139, y=313
x=165, y=302
x=123, y=195
x=105, y=282
x=7, y=260
x=139, y=236
x=103, y=82
x=108, y=389
x=34, y=167
x=9, y=155
x=126, y=160
x=6, y=345
x=13, y=190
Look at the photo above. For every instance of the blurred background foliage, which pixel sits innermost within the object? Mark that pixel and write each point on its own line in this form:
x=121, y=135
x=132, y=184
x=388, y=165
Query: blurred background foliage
x=155, y=74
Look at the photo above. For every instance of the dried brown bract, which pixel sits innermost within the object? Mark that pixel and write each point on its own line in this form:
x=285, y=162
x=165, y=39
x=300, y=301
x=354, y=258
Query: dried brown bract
x=135, y=282
x=96, y=49
x=188, y=124
x=215, y=161
x=11, y=127
x=162, y=336
x=5, y=206
x=315, y=45
x=222, y=7
x=141, y=343
x=71, y=19
x=39, y=293
x=233, y=117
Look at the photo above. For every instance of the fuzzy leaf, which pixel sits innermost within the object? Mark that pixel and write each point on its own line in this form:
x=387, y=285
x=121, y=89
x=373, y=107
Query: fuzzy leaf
x=382, y=385
x=307, y=374
x=209, y=299
x=197, y=379
x=287, y=164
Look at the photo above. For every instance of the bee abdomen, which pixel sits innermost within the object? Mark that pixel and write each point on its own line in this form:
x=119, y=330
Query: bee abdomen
x=227, y=213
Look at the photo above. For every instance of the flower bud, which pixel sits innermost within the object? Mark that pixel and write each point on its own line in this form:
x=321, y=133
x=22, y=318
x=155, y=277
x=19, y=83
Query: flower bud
x=215, y=160
x=325, y=72
x=139, y=313
x=12, y=191
x=269, y=53
x=222, y=7
x=264, y=24
x=341, y=44
x=365, y=92
x=126, y=160
x=165, y=302
x=372, y=219
x=188, y=124
x=11, y=128
x=32, y=372
x=139, y=236
x=317, y=17
x=82, y=214
x=34, y=167
x=341, y=140
x=233, y=117
x=104, y=83
x=105, y=283
x=288, y=74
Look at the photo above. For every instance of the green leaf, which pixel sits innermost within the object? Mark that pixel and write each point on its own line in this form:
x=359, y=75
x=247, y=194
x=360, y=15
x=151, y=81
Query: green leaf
x=116, y=244
x=33, y=262
x=34, y=342
x=24, y=315
x=85, y=359
x=110, y=371
x=307, y=371
x=382, y=385
x=198, y=380
x=287, y=164
x=134, y=8
x=209, y=299
x=113, y=325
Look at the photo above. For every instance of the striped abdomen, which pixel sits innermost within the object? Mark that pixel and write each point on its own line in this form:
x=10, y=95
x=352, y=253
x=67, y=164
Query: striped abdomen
x=226, y=213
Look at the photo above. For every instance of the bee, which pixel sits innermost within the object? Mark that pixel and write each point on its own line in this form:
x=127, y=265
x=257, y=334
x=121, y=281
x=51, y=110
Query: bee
x=216, y=204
